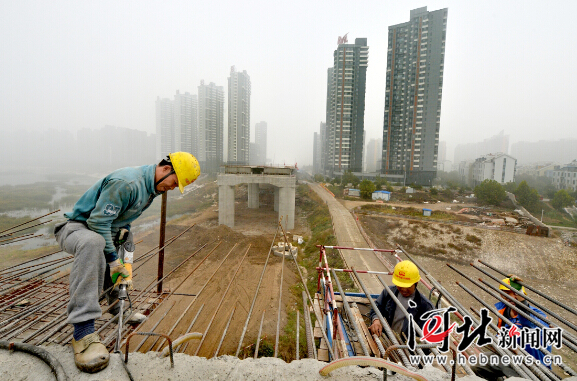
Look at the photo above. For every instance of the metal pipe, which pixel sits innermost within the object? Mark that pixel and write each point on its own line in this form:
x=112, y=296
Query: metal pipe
x=359, y=249
x=336, y=326
x=258, y=336
x=224, y=333
x=557, y=316
x=256, y=292
x=221, y=300
x=572, y=310
x=507, y=321
x=359, y=271
x=308, y=330
x=161, y=242
x=298, y=328
x=384, y=323
x=350, y=315
x=189, y=328
x=34, y=219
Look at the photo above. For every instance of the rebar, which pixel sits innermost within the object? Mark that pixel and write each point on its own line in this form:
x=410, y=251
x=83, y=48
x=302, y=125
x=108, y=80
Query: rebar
x=26, y=228
x=308, y=330
x=34, y=219
x=280, y=299
x=387, y=329
x=298, y=328
x=572, y=310
x=224, y=333
x=21, y=239
x=154, y=327
x=258, y=336
x=189, y=328
x=256, y=292
x=350, y=315
x=161, y=242
x=20, y=236
x=28, y=261
x=149, y=334
x=221, y=300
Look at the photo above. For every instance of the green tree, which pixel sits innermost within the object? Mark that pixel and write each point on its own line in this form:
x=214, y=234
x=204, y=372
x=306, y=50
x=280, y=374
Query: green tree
x=367, y=187
x=434, y=191
x=319, y=178
x=511, y=187
x=490, y=192
x=562, y=199
x=379, y=182
x=527, y=196
x=348, y=177
x=389, y=188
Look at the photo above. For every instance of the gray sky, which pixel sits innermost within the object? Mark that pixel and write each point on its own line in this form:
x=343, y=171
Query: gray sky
x=509, y=65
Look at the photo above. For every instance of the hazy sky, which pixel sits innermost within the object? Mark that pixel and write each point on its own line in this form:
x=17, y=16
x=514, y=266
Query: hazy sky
x=509, y=65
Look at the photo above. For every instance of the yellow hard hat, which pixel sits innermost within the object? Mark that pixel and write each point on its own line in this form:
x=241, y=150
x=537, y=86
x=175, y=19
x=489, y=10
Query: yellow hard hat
x=406, y=274
x=186, y=168
x=514, y=285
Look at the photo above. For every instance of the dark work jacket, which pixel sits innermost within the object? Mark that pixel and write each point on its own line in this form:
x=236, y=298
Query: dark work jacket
x=387, y=307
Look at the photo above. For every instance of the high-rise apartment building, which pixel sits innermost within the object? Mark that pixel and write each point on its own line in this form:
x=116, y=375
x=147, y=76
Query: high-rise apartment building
x=210, y=126
x=238, y=117
x=260, y=136
x=164, y=127
x=415, y=63
x=316, y=153
x=322, y=147
x=176, y=124
x=346, y=85
x=373, y=157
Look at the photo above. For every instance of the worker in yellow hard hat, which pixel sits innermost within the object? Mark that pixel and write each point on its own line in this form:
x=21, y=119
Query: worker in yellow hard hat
x=97, y=226
x=405, y=278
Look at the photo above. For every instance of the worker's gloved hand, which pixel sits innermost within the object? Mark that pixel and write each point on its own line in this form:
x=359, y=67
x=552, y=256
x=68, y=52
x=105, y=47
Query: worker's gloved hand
x=121, y=273
x=514, y=278
x=376, y=328
x=124, y=235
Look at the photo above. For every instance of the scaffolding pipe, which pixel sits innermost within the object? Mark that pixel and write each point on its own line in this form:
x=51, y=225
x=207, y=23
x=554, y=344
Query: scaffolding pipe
x=386, y=328
x=555, y=315
x=572, y=310
x=188, y=330
x=221, y=300
x=308, y=331
x=256, y=292
x=258, y=336
x=224, y=333
x=350, y=315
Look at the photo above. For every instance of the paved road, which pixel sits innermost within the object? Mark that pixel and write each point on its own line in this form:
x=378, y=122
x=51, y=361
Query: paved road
x=349, y=235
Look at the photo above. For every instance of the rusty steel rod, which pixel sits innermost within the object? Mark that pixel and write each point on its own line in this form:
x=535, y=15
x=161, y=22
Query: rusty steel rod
x=161, y=242
x=20, y=236
x=256, y=293
x=43, y=275
x=26, y=228
x=359, y=271
x=572, y=310
x=153, y=328
x=183, y=346
x=280, y=298
x=258, y=336
x=20, y=240
x=28, y=261
x=298, y=328
x=221, y=300
x=59, y=262
x=224, y=333
x=27, y=268
x=34, y=219
x=308, y=331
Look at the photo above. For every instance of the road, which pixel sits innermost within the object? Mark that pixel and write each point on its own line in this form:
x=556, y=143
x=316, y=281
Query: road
x=349, y=235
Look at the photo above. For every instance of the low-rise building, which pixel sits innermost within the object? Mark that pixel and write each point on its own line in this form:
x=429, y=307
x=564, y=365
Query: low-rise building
x=499, y=167
x=381, y=195
x=566, y=177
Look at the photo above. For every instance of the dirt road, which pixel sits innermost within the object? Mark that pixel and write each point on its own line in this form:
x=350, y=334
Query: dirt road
x=349, y=235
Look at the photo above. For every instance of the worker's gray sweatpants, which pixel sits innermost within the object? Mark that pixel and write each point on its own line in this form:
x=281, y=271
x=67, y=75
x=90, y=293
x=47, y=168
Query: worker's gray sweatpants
x=88, y=270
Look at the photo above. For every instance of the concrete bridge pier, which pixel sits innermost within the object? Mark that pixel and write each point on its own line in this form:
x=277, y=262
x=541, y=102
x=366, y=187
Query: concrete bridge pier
x=287, y=206
x=226, y=205
x=253, y=190
x=276, y=197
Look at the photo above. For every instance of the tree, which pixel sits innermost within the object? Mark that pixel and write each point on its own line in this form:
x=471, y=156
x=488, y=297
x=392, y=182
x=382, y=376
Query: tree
x=379, y=182
x=490, y=192
x=562, y=199
x=389, y=188
x=348, y=177
x=319, y=178
x=511, y=187
x=527, y=196
x=434, y=191
x=367, y=187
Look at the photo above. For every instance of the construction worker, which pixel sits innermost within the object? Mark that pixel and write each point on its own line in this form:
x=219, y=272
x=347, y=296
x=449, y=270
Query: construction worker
x=405, y=278
x=99, y=221
x=500, y=371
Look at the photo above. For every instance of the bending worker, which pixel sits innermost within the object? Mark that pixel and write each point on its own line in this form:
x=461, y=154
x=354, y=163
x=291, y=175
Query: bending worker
x=405, y=278
x=98, y=223
x=489, y=371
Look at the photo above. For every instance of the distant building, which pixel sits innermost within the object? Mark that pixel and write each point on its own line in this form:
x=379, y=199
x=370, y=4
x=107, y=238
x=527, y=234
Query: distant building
x=239, y=91
x=381, y=195
x=210, y=126
x=414, y=81
x=260, y=140
x=323, y=147
x=471, y=151
x=316, y=153
x=465, y=170
x=560, y=151
x=253, y=154
x=566, y=177
x=373, y=158
x=445, y=166
x=499, y=167
x=442, y=155
x=176, y=124
x=346, y=84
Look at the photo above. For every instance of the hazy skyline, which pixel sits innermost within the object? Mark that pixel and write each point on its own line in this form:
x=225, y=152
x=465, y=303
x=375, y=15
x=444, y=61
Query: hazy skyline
x=72, y=65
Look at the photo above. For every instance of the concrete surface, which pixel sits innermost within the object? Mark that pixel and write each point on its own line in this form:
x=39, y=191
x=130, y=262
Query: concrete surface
x=21, y=367
x=349, y=235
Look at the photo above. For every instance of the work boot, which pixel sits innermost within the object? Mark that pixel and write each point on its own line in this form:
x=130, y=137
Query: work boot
x=90, y=355
x=136, y=318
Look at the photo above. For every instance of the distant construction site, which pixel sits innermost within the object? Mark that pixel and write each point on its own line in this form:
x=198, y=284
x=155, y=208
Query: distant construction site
x=215, y=280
